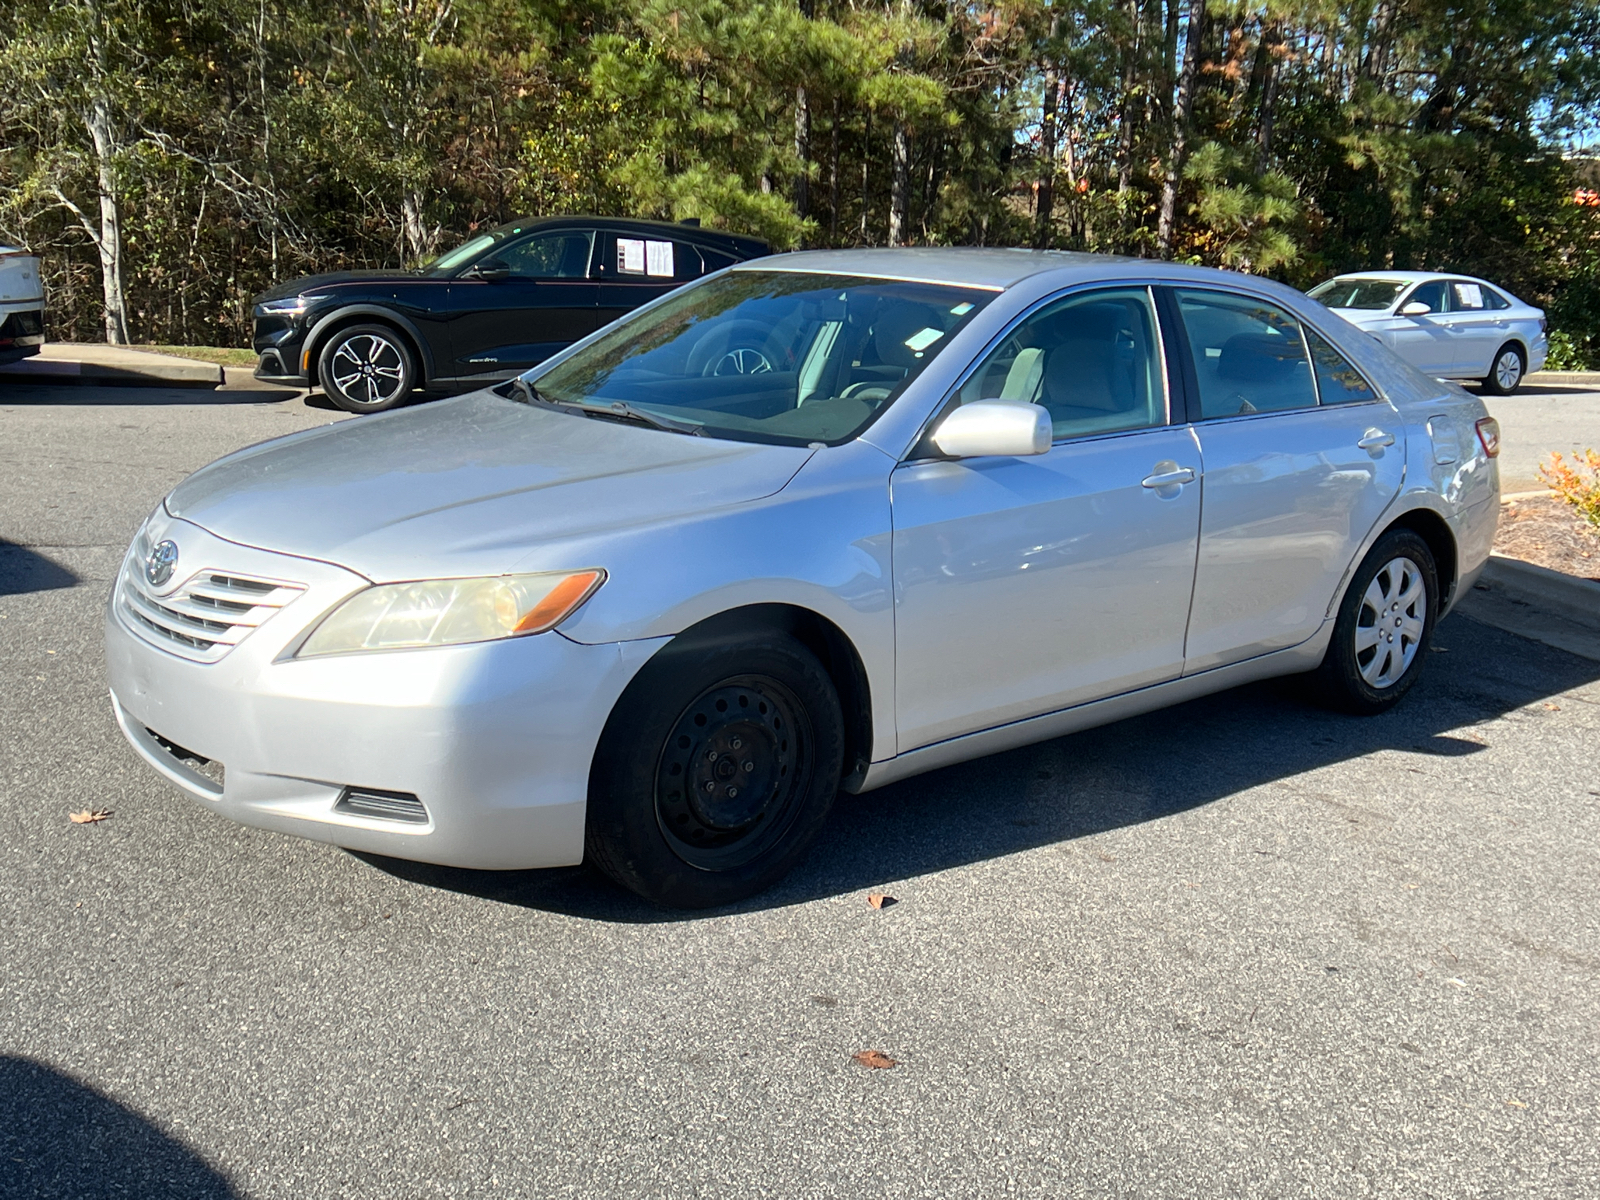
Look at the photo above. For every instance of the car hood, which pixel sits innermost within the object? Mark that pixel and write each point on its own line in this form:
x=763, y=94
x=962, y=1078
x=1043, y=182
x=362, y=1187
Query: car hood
x=310, y=283
x=478, y=485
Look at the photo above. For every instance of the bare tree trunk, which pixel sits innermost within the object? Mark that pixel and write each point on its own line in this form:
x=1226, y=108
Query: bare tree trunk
x=1047, y=140
x=833, y=175
x=866, y=160
x=900, y=188
x=1180, y=129
x=418, y=242
x=1271, y=39
x=802, y=151
x=109, y=240
x=1130, y=62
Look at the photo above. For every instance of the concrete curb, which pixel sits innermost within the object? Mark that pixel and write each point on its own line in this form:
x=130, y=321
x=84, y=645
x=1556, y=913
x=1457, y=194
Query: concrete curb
x=1533, y=602
x=1588, y=377
x=64, y=362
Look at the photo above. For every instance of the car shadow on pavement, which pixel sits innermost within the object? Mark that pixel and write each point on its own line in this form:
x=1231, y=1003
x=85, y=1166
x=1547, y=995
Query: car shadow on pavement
x=1135, y=771
x=25, y=570
x=59, y=1137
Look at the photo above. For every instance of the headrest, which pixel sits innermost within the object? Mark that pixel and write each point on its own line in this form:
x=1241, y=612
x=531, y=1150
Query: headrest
x=1077, y=374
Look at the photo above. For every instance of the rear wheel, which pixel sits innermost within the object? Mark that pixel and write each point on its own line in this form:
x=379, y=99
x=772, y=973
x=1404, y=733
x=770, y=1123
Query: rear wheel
x=367, y=369
x=715, y=771
x=1507, y=370
x=1385, y=621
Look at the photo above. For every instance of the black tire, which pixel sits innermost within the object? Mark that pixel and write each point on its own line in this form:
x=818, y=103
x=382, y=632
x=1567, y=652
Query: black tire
x=1502, y=382
x=1365, y=672
x=757, y=713
x=367, y=369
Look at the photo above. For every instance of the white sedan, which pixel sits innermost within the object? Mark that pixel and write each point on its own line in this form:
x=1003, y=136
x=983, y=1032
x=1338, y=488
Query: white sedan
x=1451, y=326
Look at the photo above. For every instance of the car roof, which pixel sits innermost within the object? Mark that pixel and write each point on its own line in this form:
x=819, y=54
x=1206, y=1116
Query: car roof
x=988, y=267
x=1408, y=276
x=685, y=233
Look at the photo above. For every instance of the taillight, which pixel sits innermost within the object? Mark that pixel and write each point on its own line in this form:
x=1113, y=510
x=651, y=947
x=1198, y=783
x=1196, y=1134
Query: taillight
x=1489, y=436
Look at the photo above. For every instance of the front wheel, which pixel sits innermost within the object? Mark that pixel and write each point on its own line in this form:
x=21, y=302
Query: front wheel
x=367, y=369
x=1505, y=375
x=715, y=771
x=1385, y=621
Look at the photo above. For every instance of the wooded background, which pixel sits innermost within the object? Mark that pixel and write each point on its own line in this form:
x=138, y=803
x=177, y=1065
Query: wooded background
x=171, y=158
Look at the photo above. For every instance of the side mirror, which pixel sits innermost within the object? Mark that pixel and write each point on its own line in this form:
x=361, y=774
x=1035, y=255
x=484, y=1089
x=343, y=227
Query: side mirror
x=491, y=270
x=987, y=428
x=1415, y=309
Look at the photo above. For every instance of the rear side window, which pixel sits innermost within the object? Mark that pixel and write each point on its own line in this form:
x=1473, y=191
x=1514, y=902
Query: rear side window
x=1249, y=356
x=1467, y=297
x=644, y=259
x=1337, y=381
x=1493, y=299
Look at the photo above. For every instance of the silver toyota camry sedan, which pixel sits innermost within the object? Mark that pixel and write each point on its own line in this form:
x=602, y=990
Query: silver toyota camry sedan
x=818, y=522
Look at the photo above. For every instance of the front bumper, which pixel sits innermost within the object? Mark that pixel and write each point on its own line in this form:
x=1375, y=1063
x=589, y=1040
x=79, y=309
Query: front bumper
x=275, y=368
x=494, y=739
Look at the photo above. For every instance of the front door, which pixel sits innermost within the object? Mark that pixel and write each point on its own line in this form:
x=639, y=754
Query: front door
x=1426, y=340
x=500, y=327
x=1476, y=327
x=1027, y=585
x=1302, y=457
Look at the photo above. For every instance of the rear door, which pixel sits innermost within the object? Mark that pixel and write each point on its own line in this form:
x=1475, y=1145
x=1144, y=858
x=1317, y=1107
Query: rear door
x=499, y=327
x=1477, y=329
x=1301, y=459
x=634, y=269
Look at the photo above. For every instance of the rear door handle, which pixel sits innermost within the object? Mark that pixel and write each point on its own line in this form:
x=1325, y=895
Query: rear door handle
x=1376, y=438
x=1171, y=477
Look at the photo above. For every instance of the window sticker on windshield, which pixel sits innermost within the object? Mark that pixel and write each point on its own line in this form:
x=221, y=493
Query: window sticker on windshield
x=924, y=338
x=1469, y=295
x=658, y=257
x=630, y=256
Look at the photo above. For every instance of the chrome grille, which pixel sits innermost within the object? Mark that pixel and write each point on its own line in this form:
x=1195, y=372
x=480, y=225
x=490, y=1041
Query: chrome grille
x=205, y=617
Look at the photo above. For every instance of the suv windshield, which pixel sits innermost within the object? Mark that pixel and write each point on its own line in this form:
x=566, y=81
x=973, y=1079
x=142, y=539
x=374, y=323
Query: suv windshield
x=770, y=356
x=1375, y=294
x=468, y=250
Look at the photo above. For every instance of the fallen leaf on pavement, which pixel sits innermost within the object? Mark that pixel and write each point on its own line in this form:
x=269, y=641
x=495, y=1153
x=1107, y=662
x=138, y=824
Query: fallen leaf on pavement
x=1453, y=982
x=876, y=1059
x=89, y=816
x=1516, y=1104
x=879, y=900
x=1553, y=707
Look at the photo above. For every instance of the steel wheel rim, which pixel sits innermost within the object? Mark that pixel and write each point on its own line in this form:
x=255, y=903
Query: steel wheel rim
x=367, y=363
x=1508, y=369
x=733, y=773
x=1390, y=622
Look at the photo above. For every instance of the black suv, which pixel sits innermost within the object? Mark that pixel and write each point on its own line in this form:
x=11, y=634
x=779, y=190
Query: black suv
x=488, y=310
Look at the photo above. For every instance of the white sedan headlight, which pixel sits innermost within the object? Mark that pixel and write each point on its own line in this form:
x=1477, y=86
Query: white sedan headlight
x=448, y=612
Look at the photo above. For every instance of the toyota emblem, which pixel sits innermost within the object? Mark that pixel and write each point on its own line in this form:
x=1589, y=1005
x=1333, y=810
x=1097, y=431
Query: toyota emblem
x=159, y=566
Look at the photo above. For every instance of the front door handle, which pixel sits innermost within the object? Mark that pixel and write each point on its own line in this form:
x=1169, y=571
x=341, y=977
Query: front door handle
x=1168, y=474
x=1376, y=439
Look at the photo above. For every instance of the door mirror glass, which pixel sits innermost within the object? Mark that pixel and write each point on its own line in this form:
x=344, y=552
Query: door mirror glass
x=492, y=270
x=1415, y=308
x=990, y=428
x=1248, y=355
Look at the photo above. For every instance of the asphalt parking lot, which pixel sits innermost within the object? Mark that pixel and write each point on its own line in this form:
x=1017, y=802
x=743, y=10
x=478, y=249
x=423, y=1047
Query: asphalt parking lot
x=1241, y=948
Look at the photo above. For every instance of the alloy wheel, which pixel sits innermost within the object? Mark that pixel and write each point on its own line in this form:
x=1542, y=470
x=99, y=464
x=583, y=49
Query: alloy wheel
x=1508, y=369
x=743, y=361
x=1389, y=627
x=368, y=369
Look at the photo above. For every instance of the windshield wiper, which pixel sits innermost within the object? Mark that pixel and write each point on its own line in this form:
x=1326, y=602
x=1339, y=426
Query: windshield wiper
x=617, y=410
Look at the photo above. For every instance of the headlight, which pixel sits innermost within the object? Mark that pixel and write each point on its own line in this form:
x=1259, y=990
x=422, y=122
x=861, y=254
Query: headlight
x=289, y=306
x=448, y=612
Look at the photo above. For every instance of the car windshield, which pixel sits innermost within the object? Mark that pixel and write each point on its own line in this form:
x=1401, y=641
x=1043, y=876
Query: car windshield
x=780, y=357
x=1375, y=294
x=465, y=252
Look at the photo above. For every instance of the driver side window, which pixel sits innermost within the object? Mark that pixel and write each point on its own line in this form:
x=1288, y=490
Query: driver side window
x=550, y=256
x=1092, y=360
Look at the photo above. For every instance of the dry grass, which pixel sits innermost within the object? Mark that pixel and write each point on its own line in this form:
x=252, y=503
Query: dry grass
x=227, y=356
